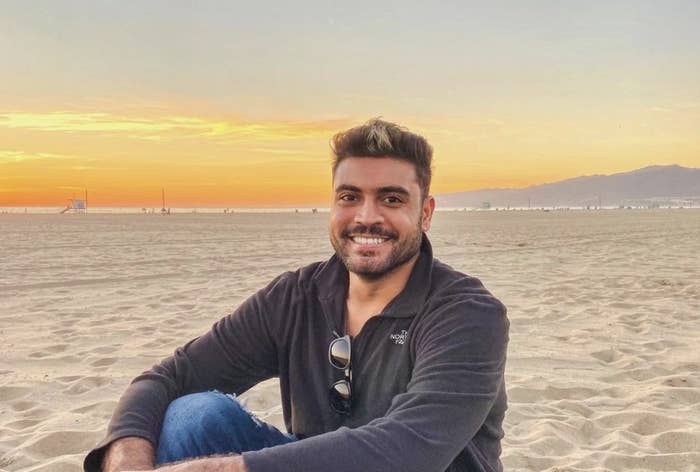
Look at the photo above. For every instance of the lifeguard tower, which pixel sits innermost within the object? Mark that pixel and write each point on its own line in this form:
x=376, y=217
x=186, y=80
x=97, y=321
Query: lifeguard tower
x=76, y=206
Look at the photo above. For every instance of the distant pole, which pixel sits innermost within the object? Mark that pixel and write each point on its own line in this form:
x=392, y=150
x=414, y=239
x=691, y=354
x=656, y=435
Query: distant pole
x=163, y=210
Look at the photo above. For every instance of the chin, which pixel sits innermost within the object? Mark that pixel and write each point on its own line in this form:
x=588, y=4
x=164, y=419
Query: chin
x=369, y=270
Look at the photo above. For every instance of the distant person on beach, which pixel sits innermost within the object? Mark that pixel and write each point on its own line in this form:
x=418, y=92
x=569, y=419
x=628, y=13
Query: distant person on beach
x=388, y=360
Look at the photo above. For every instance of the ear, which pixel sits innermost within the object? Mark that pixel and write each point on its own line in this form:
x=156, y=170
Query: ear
x=427, y=212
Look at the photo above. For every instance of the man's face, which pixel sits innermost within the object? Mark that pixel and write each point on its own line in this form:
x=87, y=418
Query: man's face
x=377, y=215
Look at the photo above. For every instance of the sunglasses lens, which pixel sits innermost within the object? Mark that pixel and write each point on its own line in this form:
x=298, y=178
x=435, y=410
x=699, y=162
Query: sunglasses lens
x=340, y=396
x=340, y=353
x=342, y=388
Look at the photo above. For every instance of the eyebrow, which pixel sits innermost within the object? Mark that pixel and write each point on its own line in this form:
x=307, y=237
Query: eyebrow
x=388, y=189
x=394, y=189
x=349, y=188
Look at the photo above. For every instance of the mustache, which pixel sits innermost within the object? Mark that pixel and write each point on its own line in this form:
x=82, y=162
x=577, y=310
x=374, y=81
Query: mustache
x=374, y=230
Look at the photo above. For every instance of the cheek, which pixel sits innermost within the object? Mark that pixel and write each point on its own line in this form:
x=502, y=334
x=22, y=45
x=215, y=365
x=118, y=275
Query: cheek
x=337, y=220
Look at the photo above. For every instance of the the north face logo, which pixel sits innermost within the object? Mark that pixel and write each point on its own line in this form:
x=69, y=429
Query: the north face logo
x=399, y=338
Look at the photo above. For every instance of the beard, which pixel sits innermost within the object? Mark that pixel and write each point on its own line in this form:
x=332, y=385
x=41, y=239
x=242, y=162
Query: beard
x=367, y=264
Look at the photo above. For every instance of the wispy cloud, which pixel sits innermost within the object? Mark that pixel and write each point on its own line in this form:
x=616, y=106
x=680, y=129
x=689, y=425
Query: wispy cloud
x=277, y=152
x=166, y=127
x=69, y=187
x=22, y=156
x=676, y=107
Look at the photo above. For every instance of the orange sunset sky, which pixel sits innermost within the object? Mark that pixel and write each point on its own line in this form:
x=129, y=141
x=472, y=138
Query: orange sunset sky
x=230, y=104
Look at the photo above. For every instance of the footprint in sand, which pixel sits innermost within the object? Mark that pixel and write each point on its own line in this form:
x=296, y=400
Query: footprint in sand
x=152, y=344
x=607, y=355
x=680, y=381
x=20, y=425
x=653, y=424
x=12, y=393
x=64, y=332
x=22, y=405
x=85, y=384
x=59, y=443
x=39, y=354
x=671, y=398
x=104, y=362
x=638, y=375
x=49, y=351
x=5, y=462
x=68, y=378
x=676, y=441
x=105, y=349
x=642, y=423
x=104, y=408
x=36, y=413
x=659, y=346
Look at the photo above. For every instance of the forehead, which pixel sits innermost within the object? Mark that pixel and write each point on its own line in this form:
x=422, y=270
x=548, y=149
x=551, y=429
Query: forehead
x=376, y=172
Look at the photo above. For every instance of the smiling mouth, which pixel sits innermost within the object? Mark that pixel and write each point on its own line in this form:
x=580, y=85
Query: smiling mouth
x=368, y=240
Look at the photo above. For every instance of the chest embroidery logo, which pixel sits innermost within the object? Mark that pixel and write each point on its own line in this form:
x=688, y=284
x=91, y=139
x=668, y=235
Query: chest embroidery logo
x=399, y=338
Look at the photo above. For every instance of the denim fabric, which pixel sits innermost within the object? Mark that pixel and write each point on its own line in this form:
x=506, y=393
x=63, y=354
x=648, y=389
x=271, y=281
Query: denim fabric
x=204, y=424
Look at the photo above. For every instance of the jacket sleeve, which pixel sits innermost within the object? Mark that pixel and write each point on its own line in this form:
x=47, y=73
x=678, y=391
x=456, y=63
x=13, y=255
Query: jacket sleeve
x=238, y=352
x=458, y=372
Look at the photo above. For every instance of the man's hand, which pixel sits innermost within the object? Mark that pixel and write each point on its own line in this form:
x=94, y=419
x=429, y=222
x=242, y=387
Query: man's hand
x=130, y=453
x=207, y=464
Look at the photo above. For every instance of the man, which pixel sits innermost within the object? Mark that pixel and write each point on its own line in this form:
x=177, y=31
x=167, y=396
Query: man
x=387, y=358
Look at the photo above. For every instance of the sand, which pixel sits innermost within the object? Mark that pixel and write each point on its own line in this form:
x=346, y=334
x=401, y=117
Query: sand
x=603, y=371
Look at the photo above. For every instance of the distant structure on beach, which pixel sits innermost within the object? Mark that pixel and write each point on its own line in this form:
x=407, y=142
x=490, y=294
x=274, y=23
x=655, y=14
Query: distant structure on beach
x=76, y=205
x=163, y=210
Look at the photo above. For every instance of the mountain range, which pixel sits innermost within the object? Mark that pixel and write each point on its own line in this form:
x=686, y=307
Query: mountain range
x=649, y=186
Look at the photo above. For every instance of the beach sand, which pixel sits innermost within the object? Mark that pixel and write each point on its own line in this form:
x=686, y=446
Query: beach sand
x=603, y=370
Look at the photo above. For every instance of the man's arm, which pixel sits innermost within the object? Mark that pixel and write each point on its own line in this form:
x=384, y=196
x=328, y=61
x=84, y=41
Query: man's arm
x=130, y=453
x=237, y=353
x=137, y=454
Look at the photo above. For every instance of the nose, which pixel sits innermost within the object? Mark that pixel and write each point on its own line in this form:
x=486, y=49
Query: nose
x=369, y=213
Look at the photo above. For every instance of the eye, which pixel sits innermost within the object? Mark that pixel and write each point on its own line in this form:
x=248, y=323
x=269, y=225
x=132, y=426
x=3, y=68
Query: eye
x=347, y=197
x=393, y=200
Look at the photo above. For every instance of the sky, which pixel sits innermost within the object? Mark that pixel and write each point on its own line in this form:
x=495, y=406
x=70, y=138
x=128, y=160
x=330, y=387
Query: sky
x=233, y=104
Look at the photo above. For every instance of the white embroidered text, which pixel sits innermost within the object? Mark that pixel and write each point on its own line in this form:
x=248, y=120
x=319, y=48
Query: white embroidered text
x=399, y=338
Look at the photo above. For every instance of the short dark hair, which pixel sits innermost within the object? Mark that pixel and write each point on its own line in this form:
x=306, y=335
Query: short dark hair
x=379, y=138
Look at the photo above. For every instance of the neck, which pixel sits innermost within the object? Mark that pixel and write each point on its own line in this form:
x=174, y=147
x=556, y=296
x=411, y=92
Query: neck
x=384, y=289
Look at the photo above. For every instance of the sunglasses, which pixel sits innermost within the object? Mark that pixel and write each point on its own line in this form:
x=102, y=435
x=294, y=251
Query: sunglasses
x=339, y=352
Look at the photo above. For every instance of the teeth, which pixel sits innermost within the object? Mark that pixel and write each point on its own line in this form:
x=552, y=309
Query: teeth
x=362, y=240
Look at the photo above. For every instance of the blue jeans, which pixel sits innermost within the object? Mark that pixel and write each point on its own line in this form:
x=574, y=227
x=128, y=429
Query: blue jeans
x=204, y=424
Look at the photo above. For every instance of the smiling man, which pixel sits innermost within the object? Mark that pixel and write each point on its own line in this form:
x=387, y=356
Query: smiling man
x=387, y=358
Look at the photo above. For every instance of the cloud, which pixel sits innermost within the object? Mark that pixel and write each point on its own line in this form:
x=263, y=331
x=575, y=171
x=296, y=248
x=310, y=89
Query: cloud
x=22, y=156
x=676, y=107
x=275, y=151
x=167, y=127
x=19, y=189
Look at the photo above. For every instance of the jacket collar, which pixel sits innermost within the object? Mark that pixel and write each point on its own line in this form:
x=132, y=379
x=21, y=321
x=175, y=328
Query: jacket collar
x=331, y=281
